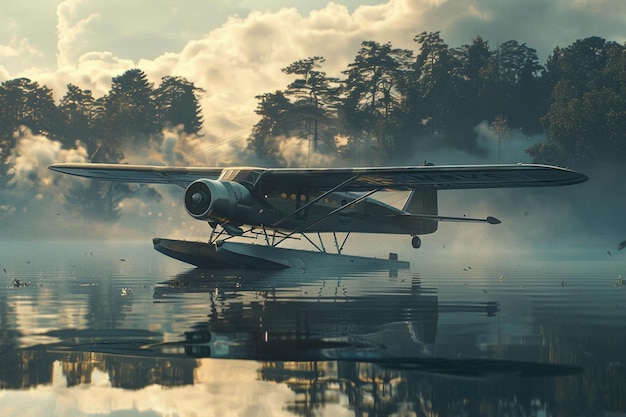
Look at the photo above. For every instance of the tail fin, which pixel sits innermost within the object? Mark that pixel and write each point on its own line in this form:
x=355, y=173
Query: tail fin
x=423, y=202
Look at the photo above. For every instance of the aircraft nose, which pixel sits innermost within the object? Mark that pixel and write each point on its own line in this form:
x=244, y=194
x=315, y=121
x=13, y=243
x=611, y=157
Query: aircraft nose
x=196, y=198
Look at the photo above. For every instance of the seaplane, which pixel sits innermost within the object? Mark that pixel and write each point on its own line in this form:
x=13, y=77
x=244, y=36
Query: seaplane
x=279, y=204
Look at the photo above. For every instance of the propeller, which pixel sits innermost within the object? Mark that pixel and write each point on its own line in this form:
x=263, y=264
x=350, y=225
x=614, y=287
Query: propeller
x=197, y=198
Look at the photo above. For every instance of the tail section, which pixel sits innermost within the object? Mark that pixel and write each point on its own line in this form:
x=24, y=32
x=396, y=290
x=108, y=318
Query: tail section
x=423, y=202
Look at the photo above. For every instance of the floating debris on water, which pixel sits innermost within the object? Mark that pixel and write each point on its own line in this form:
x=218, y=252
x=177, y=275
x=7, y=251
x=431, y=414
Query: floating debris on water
x=126, y=291
x=619, y=283
x=20, y=284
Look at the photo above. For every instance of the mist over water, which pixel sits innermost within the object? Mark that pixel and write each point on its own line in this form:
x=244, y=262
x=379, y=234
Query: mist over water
x=590, y=215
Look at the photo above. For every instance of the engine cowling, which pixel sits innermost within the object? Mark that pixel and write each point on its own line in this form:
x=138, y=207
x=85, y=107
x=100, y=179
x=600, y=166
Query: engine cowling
x=216, y=200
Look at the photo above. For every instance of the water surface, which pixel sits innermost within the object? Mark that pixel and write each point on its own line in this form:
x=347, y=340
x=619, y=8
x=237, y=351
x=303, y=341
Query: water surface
x=115, y=328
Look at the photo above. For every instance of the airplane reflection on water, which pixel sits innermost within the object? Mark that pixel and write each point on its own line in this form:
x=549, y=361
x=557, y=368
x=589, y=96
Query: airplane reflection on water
x=260, y=316
x=278, y=325
x=391, y=330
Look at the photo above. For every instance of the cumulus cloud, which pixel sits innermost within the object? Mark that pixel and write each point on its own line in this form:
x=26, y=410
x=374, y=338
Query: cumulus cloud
x=31, y=156
x=17, y=52
x=18, y=47
x=34, y=194
x=70, y=31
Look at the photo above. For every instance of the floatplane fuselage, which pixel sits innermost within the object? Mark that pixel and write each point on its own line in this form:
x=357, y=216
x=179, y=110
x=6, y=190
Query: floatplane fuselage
x=282, y=203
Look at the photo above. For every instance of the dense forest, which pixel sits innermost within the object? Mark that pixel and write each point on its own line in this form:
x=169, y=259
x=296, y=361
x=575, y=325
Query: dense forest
x=130, y=116
x=393, y=102
x=390, y=103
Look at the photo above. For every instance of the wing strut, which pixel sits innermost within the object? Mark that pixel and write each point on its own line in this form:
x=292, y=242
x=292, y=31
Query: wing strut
x=337, y=210
x=315, y=200
x=322, y=249
x=345, y=239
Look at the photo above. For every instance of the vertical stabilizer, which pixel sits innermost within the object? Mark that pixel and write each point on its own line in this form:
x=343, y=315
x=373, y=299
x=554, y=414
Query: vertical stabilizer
x=423, y=202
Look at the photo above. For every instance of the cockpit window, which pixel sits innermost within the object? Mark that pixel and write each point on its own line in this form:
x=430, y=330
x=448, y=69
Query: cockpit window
x=247, y=177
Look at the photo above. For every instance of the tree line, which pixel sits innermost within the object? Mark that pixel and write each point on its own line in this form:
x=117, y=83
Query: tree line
x=129, y=117
x=393, y=102
x=389, y=103
x=131, y=114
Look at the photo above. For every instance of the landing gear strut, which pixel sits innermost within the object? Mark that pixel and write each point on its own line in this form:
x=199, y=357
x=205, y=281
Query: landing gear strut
x=416, y=242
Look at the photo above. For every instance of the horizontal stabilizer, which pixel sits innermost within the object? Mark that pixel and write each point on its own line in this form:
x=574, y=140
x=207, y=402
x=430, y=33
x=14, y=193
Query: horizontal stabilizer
x=489, y=219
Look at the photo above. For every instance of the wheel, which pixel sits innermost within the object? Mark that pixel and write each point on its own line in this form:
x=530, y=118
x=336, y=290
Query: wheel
x=416, y=242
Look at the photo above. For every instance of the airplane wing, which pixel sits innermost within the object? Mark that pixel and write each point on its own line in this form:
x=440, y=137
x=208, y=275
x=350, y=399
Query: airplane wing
x=452, y=177
x=182, y=176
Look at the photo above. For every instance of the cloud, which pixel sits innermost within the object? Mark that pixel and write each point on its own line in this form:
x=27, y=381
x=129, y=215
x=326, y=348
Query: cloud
x=17, y=52
x=71, y=31
x=33, y=153
x=35, y=195
x=18, y=47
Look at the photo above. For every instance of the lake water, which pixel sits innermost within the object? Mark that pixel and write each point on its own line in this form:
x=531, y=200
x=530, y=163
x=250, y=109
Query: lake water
x=115, y=328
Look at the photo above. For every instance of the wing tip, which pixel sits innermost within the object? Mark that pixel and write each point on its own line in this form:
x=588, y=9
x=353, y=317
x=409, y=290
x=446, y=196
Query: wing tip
x=58, y=167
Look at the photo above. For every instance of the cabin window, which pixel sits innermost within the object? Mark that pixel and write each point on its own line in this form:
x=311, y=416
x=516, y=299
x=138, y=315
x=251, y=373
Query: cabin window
x=326, y=200
x=302, y=198
x=247, y=177
x=293, y=197
x=283, y=196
